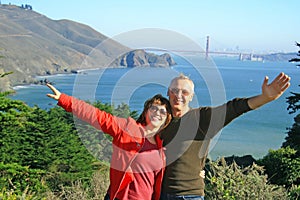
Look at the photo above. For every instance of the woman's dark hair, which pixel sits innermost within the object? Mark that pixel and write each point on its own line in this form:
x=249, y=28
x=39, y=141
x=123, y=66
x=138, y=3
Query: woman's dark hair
x=159, y=100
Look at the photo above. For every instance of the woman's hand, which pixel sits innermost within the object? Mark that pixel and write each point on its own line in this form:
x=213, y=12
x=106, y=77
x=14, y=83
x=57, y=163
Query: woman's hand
x=56, y=94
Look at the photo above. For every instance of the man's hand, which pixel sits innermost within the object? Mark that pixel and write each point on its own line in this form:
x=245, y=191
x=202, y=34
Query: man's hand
x=202, y=174
x=276, y=88
x=270, y=92
x=56, y=94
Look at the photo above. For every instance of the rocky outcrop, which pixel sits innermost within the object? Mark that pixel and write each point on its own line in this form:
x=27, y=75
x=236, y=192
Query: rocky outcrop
x=140, y=58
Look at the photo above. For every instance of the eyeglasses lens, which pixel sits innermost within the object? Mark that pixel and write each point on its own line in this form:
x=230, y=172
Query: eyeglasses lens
x=161, y=111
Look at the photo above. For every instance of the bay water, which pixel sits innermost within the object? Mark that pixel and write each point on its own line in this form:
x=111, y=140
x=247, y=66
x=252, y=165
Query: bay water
x=224, y=78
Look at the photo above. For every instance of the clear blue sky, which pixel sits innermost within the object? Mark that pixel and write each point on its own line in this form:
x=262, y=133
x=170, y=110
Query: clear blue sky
x=258, y=25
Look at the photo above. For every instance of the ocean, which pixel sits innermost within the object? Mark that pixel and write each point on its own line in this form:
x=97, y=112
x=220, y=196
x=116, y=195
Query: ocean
x=216, y=81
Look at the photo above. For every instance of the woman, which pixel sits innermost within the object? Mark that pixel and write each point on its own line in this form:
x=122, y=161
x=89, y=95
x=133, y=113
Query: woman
x=137, y=163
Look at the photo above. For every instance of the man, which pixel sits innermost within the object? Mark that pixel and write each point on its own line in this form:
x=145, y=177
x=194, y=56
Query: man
x=188, y=135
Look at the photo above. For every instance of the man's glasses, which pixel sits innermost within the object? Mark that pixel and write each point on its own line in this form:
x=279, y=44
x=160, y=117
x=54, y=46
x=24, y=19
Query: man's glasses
x=162, y=112
x=176, y=91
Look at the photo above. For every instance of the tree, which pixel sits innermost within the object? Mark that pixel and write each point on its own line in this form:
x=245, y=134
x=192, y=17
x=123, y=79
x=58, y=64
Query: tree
x=283, y=165
x=296, y=59
x=293, y=137
x=44, y=140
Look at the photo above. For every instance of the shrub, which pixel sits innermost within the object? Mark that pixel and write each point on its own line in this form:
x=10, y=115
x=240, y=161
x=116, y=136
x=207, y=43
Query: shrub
x=17, y=179
x=232, y=182
x=294, y=192
x=78, y=190
x=282, y=166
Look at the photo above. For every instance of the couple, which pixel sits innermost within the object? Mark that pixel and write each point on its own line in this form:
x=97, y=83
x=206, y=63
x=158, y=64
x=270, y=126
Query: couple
x=139, y=169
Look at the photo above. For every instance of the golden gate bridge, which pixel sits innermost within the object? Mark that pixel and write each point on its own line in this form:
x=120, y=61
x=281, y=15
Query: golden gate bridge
x=207, y=52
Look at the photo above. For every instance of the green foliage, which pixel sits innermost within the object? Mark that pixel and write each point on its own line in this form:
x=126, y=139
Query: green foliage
x=16, y=178
x=124, y=111
x=43, y=140
x=6, y=93
x=96, y=189
x=294, y=192
x=294, y=102
x=296, y=59
x=54, y=142
x=282, y=166
x=12, y=195
x=232, y=182
x=5, y=74
x=293, y=138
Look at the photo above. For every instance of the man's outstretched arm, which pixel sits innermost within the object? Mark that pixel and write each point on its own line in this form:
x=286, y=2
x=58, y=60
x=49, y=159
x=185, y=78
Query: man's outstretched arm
x=270, y=92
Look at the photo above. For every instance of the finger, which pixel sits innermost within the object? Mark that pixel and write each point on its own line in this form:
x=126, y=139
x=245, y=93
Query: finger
x=54, y=90
x=51, y=96
x=286, y=86
x=281, y=77
x=49, y=86
x=284, y=80
x=266, y=80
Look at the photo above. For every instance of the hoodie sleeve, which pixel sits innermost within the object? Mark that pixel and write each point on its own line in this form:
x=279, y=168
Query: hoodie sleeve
x=97, y=118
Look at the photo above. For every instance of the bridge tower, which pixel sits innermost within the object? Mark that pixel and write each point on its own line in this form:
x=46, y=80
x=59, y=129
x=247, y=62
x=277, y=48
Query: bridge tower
x=207, y=47
x=241, y=56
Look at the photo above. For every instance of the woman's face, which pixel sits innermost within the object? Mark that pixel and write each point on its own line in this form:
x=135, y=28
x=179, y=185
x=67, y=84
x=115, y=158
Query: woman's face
x=156, y=115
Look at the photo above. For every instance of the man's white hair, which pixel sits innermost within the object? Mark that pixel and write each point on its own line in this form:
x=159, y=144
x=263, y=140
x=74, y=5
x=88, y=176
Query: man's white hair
x=181, y=76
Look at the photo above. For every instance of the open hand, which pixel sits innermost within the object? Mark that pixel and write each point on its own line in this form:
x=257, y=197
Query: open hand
x=270, y=91
x=275, y=89
x=56, y=94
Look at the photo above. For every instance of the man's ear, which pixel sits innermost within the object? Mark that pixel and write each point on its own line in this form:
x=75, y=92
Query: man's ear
x=191, y=96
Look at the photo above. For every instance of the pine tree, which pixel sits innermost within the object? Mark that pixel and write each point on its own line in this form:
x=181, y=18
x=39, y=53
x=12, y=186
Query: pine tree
x=293, y=137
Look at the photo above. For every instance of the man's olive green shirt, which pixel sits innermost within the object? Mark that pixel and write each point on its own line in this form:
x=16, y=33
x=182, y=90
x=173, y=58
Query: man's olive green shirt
x=186, y=140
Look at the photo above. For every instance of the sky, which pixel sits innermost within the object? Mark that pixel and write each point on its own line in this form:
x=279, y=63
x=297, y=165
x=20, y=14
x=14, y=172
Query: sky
x=258, y=26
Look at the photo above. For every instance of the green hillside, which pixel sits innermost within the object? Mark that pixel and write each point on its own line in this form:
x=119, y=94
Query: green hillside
x=32, y=44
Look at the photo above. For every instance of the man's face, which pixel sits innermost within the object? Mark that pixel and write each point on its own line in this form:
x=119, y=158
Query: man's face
x=180, y=94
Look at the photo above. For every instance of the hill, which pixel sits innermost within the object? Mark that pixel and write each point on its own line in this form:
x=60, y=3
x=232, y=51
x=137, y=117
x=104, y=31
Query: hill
x=279, y=56
x=32, y=44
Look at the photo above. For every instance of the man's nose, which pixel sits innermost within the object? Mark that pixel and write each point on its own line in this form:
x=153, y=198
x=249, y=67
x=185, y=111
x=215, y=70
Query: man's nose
x=178, y=93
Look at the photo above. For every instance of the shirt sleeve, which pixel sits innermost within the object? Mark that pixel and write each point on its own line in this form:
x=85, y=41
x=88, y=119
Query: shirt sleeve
x=215, y=118
x=97, y=118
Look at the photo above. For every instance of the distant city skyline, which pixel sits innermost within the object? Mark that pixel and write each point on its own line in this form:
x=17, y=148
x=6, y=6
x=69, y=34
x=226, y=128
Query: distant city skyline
x=257, y=26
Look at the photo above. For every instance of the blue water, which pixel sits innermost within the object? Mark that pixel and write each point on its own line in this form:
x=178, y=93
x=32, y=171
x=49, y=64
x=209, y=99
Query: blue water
x=216, y=81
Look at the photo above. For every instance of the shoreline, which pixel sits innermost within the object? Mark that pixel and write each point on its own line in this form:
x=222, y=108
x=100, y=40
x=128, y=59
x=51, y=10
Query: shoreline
x=36, y=79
